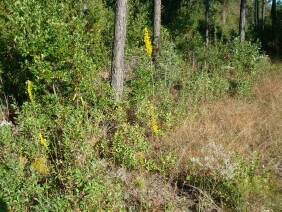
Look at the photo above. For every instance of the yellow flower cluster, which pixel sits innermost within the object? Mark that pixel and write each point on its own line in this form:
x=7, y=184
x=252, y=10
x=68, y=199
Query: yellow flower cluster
x=42, y=140
x=154, y=123
x=22, y=160
x=40, y=164
x=148, y=43
x=29, y=91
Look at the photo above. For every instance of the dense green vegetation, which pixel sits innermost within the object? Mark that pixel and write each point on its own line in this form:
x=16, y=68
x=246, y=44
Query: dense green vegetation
x=65, y=144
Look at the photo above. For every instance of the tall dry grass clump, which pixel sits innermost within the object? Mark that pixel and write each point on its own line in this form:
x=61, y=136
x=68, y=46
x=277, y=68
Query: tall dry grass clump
x=227, y=128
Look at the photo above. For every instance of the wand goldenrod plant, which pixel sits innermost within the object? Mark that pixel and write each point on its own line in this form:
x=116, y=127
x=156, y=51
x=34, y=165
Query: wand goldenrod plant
x=29, y=91
x=148, y=43
x=153, y=119
x=149, y=50
x=42, y=140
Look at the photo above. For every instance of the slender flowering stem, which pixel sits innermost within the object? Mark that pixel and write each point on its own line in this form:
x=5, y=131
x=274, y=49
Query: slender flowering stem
x=149, y=50
x=29, y=91
x=148, y=43
x=153, y=119
x=42, y=140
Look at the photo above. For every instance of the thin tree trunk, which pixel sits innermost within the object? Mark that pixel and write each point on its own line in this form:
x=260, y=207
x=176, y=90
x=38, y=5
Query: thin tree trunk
x=274, y=24
x=263, y=13
x=262, y=20
x=207, y=21
x=242, y=20
x=117, y=70
x=224, y=17
x=256, y=14
x=157, y=26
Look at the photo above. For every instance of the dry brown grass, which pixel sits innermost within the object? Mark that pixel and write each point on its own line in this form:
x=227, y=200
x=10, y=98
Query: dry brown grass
x=233, y=126
x=211, y=136
x=242, y=126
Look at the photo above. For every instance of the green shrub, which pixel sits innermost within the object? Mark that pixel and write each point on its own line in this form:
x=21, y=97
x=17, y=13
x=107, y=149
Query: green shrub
x=55, y=44
x=65, y=173
x=130, y=147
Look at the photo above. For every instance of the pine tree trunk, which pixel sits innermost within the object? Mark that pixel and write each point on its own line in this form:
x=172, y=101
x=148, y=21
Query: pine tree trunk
x=224, y=17
x=274, y=24
x=256, y=14
x=117, y=70
x=207, y=21
x=157, y=26
x=242, y=20
x=262, y=20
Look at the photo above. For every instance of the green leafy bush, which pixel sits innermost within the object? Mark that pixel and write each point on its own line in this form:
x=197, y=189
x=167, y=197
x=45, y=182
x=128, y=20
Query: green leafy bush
x=56, y=44
x=65, y=173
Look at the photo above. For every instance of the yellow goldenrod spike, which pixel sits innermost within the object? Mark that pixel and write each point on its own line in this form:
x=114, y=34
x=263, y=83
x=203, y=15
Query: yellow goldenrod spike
x=43, y=142
x=148, y=43
x=29, y=91
x=153, y=120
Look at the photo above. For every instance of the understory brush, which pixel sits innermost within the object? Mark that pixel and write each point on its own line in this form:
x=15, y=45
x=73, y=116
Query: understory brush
x=228, y=155
x=52, y=163
x=67, y=145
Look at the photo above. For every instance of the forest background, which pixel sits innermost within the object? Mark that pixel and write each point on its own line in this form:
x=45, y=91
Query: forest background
x=67, y=144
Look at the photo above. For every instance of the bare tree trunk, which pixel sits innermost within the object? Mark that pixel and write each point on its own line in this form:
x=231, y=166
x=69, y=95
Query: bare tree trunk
x=207, y=21
x=117, y=71
x=263, y=13
x=256, y=14
x=274, y=25
x=157, y=26
x=224, y=17
x=242, y=20
x=262, y=20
